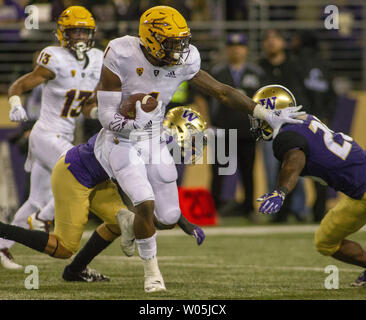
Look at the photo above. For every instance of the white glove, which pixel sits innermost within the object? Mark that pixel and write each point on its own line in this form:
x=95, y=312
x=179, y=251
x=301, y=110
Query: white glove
x=277, y=118
x=17, y=112
x=143, y=118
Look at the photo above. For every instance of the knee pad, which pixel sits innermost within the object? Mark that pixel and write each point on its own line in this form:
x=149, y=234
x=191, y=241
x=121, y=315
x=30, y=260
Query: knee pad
x=168, y=217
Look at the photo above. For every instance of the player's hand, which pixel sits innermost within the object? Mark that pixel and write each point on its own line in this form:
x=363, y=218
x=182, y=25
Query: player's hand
x=271, y=202
x=199, y=235
x=143, y=118
x=17, y=114
x=277, y=118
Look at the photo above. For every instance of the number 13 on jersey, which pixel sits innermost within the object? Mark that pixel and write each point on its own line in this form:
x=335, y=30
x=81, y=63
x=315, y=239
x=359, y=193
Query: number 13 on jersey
x=70, y=95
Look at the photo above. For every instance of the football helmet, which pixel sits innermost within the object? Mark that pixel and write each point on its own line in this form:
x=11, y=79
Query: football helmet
x=164, y=33
x=274, y=97
x=75, y=30
x=186, y=126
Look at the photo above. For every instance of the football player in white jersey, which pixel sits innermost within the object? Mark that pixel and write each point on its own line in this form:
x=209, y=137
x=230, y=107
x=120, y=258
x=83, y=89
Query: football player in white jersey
x=156, y=63
x=70, y=73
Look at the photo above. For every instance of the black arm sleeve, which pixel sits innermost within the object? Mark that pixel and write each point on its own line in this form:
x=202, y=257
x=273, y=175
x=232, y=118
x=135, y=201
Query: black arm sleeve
x=288, y=140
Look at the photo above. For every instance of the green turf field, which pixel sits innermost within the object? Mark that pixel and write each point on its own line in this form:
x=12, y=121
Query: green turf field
x=247, y=262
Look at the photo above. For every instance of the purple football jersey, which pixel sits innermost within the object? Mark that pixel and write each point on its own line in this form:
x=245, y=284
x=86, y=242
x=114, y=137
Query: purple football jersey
x=84, y=166
x=333, y=157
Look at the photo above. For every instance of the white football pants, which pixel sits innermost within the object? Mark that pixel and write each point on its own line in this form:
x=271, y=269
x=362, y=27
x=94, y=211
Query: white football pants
x=147, y=175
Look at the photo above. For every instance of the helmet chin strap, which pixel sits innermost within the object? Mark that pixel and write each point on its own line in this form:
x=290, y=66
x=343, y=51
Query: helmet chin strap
x=80, y=49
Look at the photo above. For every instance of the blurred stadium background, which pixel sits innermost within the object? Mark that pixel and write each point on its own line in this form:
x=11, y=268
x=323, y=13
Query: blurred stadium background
x=342, y=50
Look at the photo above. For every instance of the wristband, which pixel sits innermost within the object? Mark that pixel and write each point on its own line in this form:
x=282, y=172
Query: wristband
x=15, y=101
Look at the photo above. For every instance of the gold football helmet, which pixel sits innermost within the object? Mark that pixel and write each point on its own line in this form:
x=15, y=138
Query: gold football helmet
x=75, y=30
x=164, y=33
x=186, y=126
x=274, y=97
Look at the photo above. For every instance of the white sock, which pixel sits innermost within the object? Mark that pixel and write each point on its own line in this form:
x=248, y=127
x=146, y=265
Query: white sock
x=48, y=211
x=147, y=247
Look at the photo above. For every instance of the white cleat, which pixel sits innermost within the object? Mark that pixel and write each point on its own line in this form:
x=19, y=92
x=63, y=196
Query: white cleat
x=125, y=220
x=36, y=223
x=7, y=260
x=154, y=283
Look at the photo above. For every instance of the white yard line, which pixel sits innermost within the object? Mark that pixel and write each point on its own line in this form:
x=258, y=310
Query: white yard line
x=249, y=230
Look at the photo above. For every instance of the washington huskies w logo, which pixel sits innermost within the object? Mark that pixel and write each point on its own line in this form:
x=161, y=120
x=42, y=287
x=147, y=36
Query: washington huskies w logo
x=190, y=115
x=269, y=102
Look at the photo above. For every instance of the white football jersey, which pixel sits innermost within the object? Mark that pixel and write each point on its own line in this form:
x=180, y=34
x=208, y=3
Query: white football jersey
x=64, y=96
x=125, y=58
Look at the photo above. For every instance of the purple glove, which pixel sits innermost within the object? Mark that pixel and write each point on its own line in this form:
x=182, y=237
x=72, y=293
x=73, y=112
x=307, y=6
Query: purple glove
x=199, y=235
x=271, y=202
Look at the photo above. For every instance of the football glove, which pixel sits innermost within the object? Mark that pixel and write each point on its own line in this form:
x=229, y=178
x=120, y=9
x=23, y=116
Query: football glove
x=199, y=235
x=277, y=118
x=143, y=118
x=17, y=114
x=271, y=202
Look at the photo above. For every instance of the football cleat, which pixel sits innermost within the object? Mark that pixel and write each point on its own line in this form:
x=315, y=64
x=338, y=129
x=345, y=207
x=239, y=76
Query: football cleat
x=7, y=260
x=86, y=275
x=35, y=223
x=199, y=235
x=154, y=283
x=125, y=220
x=360, y=281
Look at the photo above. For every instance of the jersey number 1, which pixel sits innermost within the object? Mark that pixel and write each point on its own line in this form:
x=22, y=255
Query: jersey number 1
x=70, y=97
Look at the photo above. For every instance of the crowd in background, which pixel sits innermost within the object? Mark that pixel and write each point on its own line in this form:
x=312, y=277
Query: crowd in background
x=293, y=62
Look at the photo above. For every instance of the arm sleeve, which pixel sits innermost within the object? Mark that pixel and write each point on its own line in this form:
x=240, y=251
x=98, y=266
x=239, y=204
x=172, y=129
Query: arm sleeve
x=48, y=59
x=108, y=115
x=288, y=140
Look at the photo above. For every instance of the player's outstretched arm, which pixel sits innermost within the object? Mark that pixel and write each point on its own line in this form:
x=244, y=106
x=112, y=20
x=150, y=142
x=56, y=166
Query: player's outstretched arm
x=237, y=99
x=228, y=95
x=292, y=164
x=23, y=84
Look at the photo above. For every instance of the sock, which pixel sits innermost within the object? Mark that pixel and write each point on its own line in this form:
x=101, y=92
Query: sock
x=33, y=239
x=92, y=248
x=147, y=247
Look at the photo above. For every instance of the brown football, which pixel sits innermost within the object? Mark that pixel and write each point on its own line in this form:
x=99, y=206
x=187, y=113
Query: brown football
x=128, y=106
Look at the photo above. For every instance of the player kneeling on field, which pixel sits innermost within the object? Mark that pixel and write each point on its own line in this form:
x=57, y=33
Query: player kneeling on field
x=312, y=149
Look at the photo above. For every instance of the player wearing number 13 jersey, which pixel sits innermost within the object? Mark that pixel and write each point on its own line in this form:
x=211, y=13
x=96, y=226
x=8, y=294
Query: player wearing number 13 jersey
x=69, y=73
x=312, y=149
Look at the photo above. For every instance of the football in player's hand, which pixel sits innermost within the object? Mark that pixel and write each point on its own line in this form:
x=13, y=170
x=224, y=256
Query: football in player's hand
x=128, y=107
